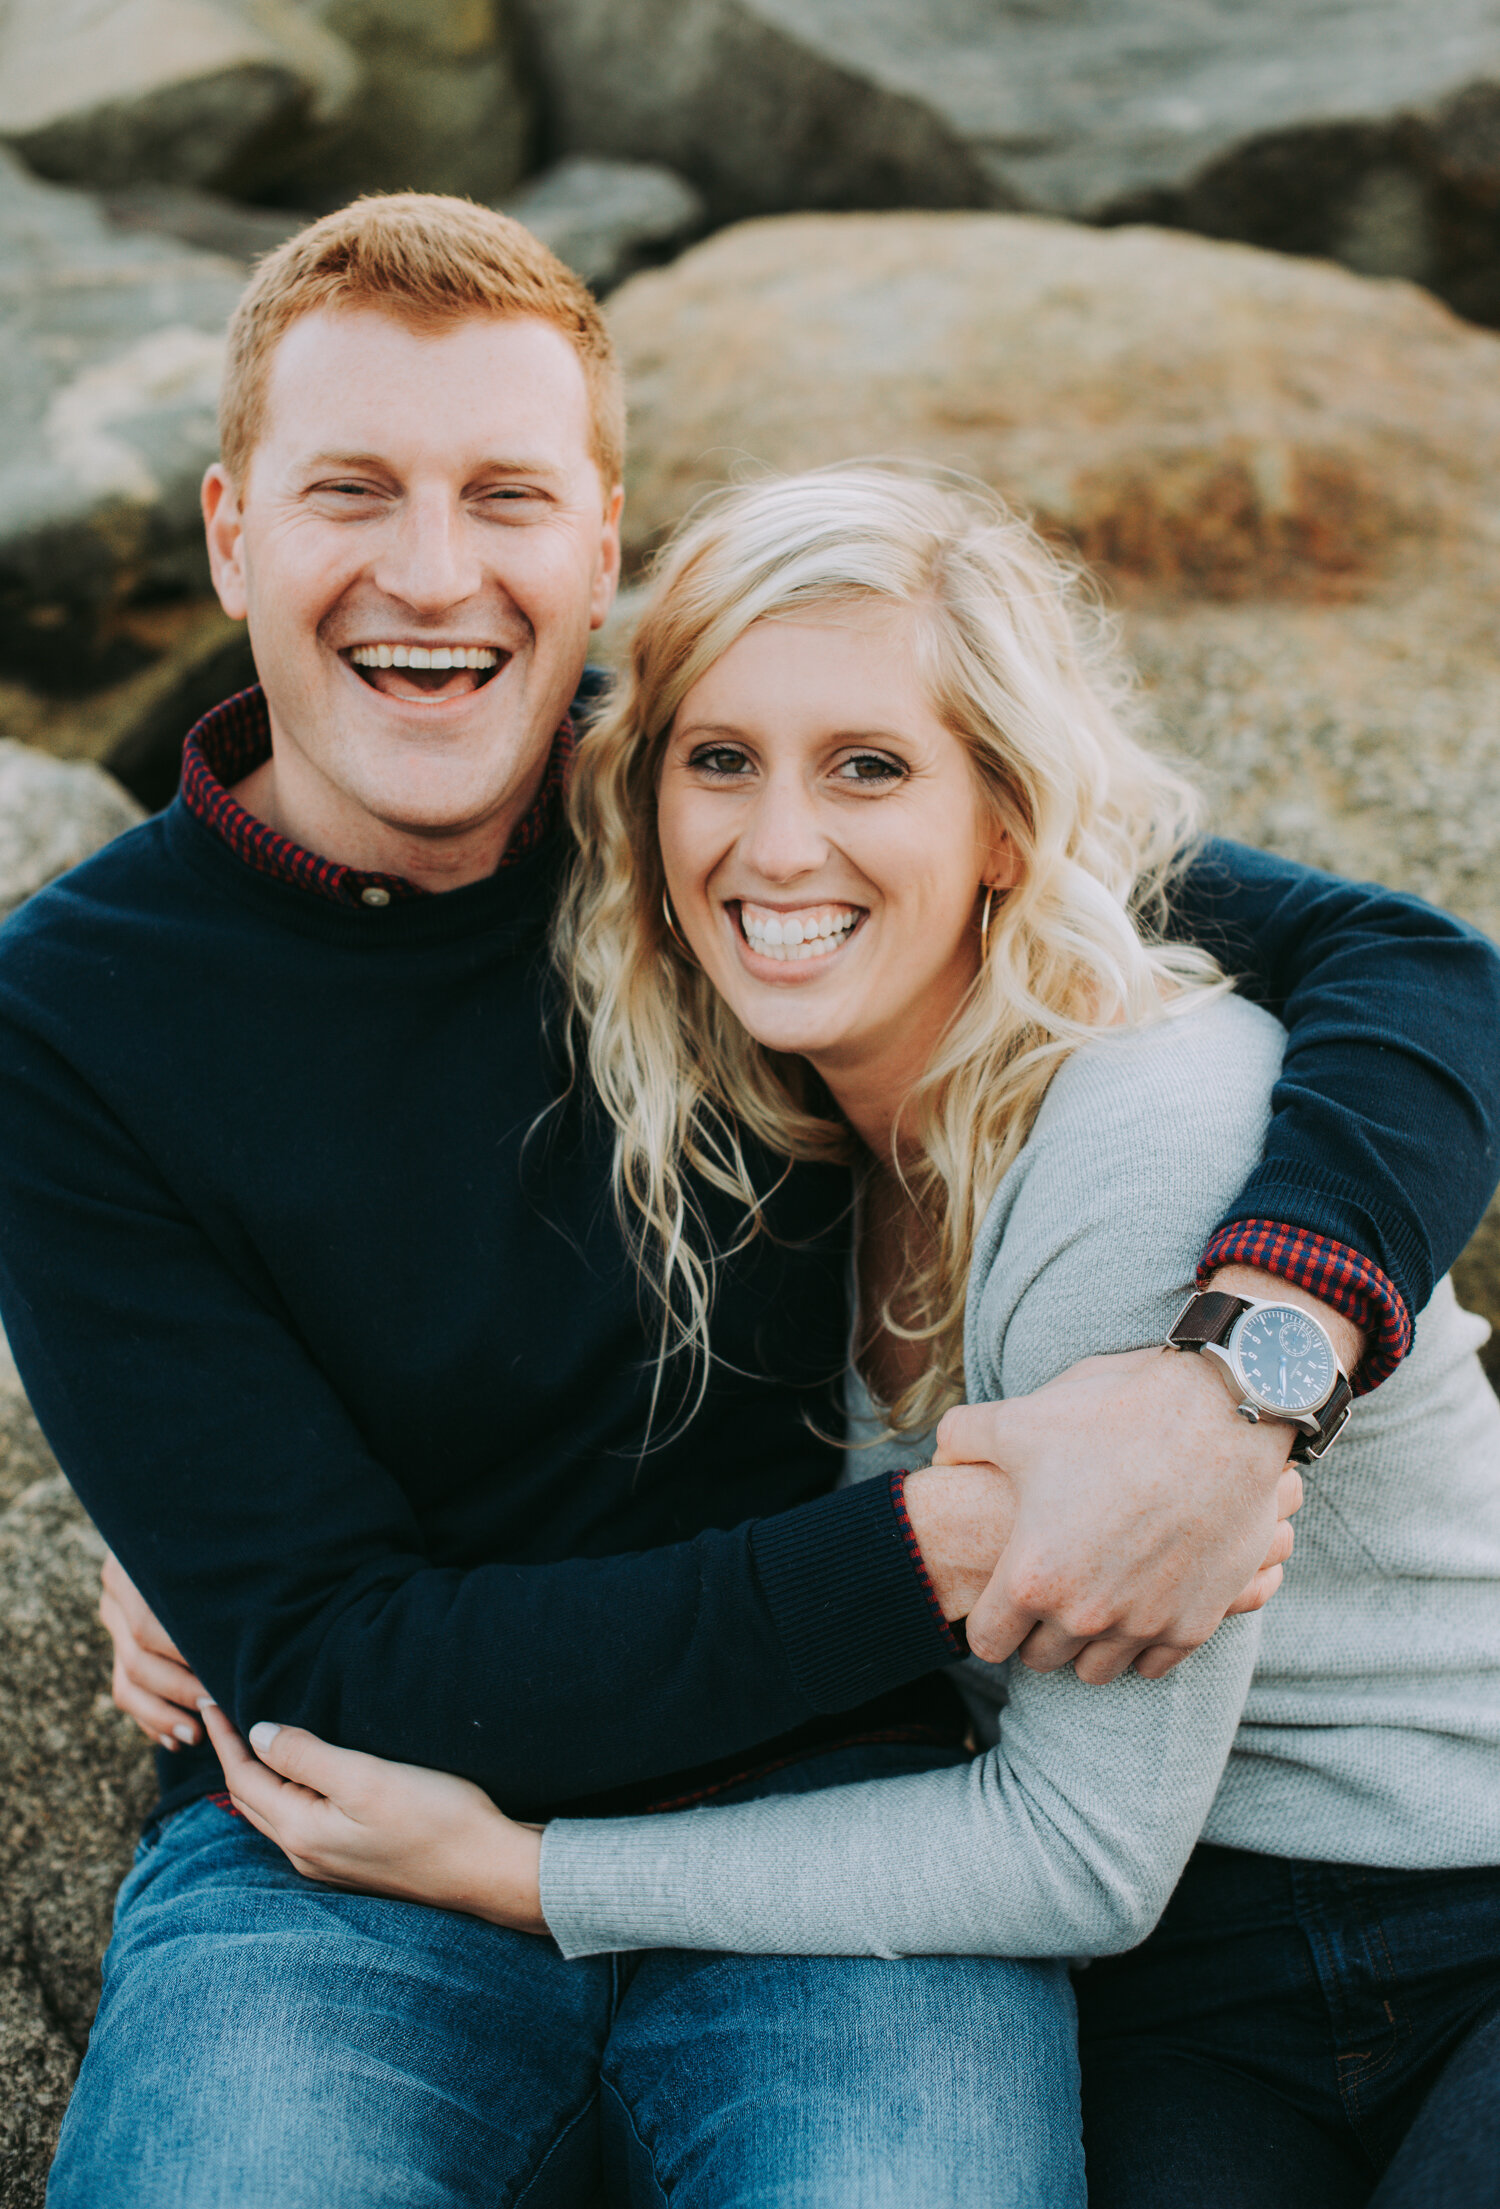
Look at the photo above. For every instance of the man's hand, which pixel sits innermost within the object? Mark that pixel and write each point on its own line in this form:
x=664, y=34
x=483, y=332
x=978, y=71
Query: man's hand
x=150, y=1682
x=1145, y=1511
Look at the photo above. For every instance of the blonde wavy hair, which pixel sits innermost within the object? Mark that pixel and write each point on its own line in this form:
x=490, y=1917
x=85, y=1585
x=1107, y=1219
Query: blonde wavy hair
x=1020, y=662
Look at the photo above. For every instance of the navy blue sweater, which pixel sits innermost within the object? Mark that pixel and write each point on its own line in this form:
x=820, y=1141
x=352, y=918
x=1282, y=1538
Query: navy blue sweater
x=354, y=1376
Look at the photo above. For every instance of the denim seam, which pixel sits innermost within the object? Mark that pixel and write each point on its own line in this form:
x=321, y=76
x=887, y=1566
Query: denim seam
x=605, y=2087
x=1354, y=2072
x=571, y=2126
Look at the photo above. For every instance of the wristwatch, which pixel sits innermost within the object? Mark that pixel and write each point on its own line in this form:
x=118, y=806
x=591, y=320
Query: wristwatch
x=1277, y=1363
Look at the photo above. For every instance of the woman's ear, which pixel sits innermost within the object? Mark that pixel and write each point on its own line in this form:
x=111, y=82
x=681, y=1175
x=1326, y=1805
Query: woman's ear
x=1002, y=863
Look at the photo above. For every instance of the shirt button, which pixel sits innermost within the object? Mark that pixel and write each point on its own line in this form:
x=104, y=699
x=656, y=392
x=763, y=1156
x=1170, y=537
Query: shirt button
x=374, y=896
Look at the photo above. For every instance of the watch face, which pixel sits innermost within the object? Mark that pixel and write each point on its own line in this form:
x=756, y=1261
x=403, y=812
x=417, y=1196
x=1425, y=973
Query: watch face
x=1284, y=1357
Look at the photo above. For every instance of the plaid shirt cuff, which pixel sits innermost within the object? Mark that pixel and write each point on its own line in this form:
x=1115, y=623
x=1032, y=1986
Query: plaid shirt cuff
x=903, y=1520
x=1331, y=1271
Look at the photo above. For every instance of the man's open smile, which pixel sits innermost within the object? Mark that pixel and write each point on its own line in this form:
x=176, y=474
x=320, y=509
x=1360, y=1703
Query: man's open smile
x=427, y=673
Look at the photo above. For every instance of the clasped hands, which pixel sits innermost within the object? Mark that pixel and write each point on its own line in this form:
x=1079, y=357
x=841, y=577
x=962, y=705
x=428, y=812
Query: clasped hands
x=1115, y=1516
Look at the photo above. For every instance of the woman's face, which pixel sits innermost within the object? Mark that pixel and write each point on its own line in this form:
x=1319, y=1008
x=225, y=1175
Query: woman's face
x=825, y=842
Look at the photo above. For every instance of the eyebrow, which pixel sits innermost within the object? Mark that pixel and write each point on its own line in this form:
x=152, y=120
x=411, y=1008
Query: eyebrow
x=836, y=736
x=490, y=467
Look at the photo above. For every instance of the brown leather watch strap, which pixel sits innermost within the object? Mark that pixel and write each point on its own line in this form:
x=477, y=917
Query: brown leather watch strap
x=1332, y=1418
x=1208, y=1318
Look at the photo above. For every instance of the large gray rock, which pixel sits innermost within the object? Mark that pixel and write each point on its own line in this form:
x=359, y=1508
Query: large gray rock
x=445, y=104
x=189, y=91
x=53, y=813
x=609, y=219
x=1368, y=133
x=231, y=228
x=111, y=346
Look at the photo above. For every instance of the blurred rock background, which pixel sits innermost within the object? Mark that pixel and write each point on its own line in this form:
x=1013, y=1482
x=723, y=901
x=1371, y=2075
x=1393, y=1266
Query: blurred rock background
x=827, y=228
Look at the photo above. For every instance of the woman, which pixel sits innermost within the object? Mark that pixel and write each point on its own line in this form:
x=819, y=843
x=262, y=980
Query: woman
x=904, y=900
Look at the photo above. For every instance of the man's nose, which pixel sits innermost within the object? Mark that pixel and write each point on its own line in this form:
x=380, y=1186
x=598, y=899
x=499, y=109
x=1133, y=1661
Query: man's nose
x=784, y=837
x=428, y=558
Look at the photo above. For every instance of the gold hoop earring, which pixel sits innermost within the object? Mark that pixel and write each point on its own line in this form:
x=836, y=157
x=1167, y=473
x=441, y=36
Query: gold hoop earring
x=672, y=928
x=984, y=922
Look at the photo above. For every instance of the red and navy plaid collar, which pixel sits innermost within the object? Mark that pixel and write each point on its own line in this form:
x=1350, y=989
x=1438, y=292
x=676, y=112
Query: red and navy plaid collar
x=232, y=740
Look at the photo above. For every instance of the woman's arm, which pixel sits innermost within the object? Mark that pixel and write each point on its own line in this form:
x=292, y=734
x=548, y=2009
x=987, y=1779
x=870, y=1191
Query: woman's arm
x=1069, y=1835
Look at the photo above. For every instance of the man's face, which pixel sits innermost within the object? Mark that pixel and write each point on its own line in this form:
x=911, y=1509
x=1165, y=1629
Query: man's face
x=415, y=498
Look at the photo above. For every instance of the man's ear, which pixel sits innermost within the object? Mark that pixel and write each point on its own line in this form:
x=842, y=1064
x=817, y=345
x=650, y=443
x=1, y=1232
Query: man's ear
x=607, y=574
x=224, y=529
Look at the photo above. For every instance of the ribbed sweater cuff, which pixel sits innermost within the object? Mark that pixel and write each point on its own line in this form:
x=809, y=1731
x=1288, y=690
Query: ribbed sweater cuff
x=1329, y=1205
x=846, y=1590
x=589, y=1863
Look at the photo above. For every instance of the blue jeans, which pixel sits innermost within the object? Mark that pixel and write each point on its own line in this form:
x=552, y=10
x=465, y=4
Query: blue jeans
x=1299, y=2036
x=266, y=2043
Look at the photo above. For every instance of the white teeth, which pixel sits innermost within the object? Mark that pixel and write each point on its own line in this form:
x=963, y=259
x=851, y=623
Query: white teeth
x=423, y=655
x=813, y=934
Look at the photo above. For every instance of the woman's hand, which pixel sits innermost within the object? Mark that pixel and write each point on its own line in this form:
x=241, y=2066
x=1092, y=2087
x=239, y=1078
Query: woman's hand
x=357, y=1821
x=150, y=1682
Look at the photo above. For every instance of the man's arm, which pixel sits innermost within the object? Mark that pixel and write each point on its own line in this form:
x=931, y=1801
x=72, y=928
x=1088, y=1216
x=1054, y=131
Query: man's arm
x=1139, y=1495
x=288, y=1566
x=1384, y=1143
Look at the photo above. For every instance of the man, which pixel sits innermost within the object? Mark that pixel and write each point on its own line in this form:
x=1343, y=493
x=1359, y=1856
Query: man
x=309, y=1262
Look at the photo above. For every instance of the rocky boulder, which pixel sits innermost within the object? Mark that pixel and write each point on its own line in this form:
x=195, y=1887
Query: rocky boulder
x=1284, y=471
x=76, y=1781
x=1365, y=133
x=203, y=92
x=110, y=354
x=53, y=813
x=608, y=219
x=229, y=227
x=445, y=104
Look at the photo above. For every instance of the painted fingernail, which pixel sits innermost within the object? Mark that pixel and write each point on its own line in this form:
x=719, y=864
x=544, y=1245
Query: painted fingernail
x=167, y=1742
x=186, y=1733
x=262, y=1735
x=206, y=1702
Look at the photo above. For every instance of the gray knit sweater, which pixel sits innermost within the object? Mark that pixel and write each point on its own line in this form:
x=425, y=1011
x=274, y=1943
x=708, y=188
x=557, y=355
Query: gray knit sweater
x=1357, y=1719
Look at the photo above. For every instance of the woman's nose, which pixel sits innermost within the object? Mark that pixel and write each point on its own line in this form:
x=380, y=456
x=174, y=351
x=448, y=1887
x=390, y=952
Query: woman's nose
x=785, y=836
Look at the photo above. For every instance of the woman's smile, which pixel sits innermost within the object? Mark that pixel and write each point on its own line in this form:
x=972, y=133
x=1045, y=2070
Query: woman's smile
x=802, y=935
